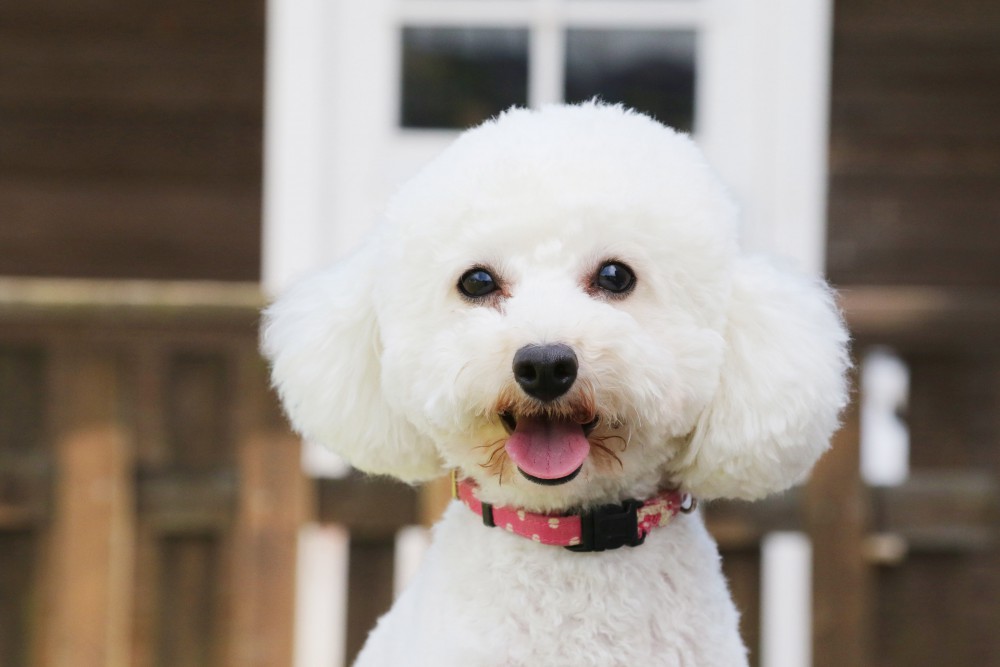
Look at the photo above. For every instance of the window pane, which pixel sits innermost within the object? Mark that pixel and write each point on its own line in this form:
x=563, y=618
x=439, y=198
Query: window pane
x=458, y=77
x=650, y=70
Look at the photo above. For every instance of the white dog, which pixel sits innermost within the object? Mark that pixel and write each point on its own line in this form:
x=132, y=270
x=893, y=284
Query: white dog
x=557, y=309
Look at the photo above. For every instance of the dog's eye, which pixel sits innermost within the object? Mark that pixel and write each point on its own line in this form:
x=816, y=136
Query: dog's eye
x=614, y=277
x=477, y=283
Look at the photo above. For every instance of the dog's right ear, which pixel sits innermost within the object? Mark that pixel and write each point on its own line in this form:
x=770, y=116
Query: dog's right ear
x=322, y=339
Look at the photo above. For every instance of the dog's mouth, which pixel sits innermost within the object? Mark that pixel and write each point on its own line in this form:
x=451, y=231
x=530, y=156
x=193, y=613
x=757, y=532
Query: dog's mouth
x=547, y=450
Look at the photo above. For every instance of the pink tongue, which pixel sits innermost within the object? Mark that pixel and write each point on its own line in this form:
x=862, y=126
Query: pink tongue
x=547, y=449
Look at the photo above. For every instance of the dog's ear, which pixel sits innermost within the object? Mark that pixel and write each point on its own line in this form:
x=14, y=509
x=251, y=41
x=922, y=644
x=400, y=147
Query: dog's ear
x=781, y=387
x=322, y=338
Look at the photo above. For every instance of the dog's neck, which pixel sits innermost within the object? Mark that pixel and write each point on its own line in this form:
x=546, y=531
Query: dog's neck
x=600, y=529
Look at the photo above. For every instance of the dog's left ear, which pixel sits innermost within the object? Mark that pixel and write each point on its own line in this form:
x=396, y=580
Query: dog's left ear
x=322, y=338
x=781, y=387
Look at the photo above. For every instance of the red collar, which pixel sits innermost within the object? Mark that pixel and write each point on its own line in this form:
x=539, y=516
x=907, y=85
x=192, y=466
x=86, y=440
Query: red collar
x=606, y=527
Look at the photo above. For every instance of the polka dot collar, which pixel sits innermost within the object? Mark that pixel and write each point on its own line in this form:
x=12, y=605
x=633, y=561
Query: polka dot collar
x=600, y=529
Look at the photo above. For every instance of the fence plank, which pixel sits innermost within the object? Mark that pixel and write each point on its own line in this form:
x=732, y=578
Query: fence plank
x=433, y=500
x=742, y=570
x=369, y=594
x=270, y=509
x=369, y=507
x=836, y=513
x=146, y=597
x=187, y=585
x=18, y=553
x=91, y=552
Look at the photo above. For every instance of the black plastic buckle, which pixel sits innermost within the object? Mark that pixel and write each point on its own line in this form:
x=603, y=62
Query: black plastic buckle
x=610, y=527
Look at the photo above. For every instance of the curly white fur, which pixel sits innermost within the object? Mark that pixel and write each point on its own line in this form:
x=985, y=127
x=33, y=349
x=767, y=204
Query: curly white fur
x=720, y=374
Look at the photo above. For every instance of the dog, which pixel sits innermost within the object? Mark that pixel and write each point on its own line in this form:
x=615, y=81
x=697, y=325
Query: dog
x=557, y=309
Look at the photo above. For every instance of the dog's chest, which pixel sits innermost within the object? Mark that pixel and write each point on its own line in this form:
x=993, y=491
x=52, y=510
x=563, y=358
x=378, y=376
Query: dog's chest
x=488, y=598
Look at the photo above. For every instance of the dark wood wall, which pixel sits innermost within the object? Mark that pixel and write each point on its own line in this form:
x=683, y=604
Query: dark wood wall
x=130, y=138
x=915, y=201
x=915, y=143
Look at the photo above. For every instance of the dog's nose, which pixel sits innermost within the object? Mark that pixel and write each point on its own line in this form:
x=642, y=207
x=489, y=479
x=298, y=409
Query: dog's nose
x=545, y=371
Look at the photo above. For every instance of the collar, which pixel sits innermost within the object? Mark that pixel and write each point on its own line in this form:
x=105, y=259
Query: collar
x=599, y=529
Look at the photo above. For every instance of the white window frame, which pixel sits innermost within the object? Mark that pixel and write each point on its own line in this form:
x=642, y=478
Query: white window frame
x=547, y=22
x=333, y=148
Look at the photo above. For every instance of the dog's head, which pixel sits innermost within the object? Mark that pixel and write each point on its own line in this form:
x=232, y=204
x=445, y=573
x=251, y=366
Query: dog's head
x=557, y=306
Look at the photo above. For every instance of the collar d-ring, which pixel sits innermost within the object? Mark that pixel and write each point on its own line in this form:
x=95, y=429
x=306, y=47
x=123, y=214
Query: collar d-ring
x=688, y=504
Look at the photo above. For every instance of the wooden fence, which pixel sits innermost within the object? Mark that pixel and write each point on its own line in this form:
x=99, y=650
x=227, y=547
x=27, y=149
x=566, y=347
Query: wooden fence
x=151, y=495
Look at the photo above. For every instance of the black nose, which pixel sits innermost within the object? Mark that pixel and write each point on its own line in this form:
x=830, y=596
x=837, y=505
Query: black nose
x=545, y=371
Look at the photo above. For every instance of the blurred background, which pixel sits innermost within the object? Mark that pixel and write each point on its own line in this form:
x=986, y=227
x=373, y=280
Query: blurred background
x=167, y=167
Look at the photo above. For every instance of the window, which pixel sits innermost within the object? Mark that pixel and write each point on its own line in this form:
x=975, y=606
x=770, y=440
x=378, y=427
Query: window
x=464, y=61
x=649, y=70
x=458, y=77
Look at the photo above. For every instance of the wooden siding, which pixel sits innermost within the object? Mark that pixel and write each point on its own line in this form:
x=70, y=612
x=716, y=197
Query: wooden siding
x=130, y=138
x=915, y=201
x=915, y=143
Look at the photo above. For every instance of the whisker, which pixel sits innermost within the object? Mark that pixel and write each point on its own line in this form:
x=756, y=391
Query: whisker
x=497, y=460
x=501, y=466
x=618, y=438
x=606, y=451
